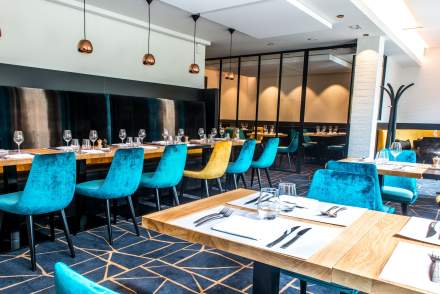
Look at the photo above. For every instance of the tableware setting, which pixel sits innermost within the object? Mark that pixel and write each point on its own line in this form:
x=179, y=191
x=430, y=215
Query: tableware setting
x=3, y=153
x=422, y=229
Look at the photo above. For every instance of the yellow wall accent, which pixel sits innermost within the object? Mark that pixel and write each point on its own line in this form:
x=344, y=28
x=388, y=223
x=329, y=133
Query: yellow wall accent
x=403, y=134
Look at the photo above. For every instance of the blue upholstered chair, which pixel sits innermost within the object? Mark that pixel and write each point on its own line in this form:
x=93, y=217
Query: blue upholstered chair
x=308, y=143
x=122, y=181
x=68, y=281
x=367, y=169
x=168, y=173
x=243, y=162
x=49, y=188
x=265, y=160
x=292, y=148
x=400, y=189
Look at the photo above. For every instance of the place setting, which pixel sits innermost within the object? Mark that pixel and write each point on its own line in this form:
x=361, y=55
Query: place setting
x=422, y=229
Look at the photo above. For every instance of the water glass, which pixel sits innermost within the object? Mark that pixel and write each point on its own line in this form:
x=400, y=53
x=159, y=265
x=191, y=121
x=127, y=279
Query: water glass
x=395, y=149
x=86, y=144
x=93, y=136
x=222, y=131
x=237, y=133
x=330, y=130
x=75, y=145
x=268, y=204
x=142, y=134
x=324, y=129
x=214, y=132
x=180, y=134
x=137, y=142
x=272, y=129
x=335, y=129
x=122, y=135
x=382, y=157
x=288, y=189
x=201, y=133
x=18, y=139
x=67, y=136
x=318, y=129
x=130, y=141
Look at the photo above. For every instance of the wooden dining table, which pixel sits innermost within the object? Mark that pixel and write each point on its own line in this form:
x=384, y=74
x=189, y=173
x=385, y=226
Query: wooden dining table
x=354, y=259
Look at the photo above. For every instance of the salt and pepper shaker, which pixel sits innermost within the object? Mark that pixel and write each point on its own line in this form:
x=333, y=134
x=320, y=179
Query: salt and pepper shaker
x=435, y=267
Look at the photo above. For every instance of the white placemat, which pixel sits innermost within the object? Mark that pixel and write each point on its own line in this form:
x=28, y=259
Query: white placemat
x=92, y=151
x=311, y=211
x=150, y=147
x=265, y=231
x=416, y=229
x=409, y=265
x=20, y=156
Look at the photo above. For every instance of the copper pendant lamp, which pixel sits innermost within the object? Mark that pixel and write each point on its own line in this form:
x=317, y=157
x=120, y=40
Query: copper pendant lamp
x=84, y=45
x=230, y=75
x=149, y=58
x=194, y=67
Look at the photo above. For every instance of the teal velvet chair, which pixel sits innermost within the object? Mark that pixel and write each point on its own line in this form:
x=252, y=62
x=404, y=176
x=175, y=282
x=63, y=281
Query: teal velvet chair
x=265, y=160
x=242, y=163
x=292, y=148
x=337, y=149
x=49, y=188
x=67, y=281
x=308, y=143
x=168, y=173
x=367, y=169
x=400, y=189
x=122, y=181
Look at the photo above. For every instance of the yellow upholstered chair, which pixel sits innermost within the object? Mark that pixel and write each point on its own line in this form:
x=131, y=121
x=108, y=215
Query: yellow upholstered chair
x=215, y=168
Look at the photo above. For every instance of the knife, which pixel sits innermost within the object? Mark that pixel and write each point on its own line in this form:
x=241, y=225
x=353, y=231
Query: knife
x=431, y=228
x=298, y=235
x=283, y=236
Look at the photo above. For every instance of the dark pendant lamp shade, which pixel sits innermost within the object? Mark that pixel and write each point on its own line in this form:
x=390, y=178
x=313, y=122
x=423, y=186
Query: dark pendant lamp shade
x=194, y=67
x=149, y=58
x=85, y=46
x=230, y=75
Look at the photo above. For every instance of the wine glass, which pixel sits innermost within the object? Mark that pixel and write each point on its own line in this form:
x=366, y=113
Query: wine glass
x=180, y=135
x=67, y=136
x=268, y=203
x=318, y=129
x=122, y=135
x=214, y=132
x=237, y=133
x=142, y=134
x=395, y=149
x=335, y=129
x=330, y=129
x=201, y=133
x=18, y=139
x=324, y=129
x=165, y=135
x=222, y=131
x=93, y=136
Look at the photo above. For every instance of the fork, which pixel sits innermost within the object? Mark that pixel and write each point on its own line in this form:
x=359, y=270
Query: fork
x=328, y=211
x=223, y=211
x=334, y=213
x=228, y=213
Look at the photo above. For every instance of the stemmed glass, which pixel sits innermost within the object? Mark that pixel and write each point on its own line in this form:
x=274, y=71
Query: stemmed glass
x=93, y=136
x=214, y=132
x=180, y=134
x=237, y=134
x=122, y=135
x=222, y=131
x=318, y=129
x=395, y=149
x=18, y=139
x=165, y=135
x=142, y=134
x=201, y=133
x=67, y=136
x=335, y=129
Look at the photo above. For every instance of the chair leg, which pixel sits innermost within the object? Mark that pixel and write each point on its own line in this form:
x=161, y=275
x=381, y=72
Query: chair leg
x=31, y=237
x=259, y=178
x=67, y=233
x=176, y=197
x=182, y=187
x=114, y=214
x=206, y=187
x=290, y=161
x=78, y=213
x=219, y=183
x=266, y=170
x=243, y=180
x=157, y=196
x=132, y=214
x=109, y=225
x=302, y=287
x=252, y=177
x=52, y=226
x=235, y=181
x=404, y=208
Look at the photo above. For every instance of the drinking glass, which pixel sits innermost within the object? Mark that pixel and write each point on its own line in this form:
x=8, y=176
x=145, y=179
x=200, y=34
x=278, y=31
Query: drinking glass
x=382, y=156
x=122, y=135
x=67, y=136
x=130, y=141
x=142, y=134
x=395, y=149
x=318, y=129
x=137, y=142
x=272, y=129
x=75, y=145
x=165, y=135
x=180, y=135
x=237, y=133
x=330, y=129
x=214, y=132
x=324, y=129
x=18, y=139
x=288, y=189
x=93, y=136
x=222, y=131
x=85, y=144
x=335, y=129
x=201, y=133
x=268, y=203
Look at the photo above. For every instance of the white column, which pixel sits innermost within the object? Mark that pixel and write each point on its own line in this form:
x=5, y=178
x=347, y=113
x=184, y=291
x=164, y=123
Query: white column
x=366, y=96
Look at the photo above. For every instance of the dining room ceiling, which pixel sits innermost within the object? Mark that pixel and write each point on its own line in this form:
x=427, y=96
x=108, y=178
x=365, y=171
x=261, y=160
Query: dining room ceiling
x=426, y=13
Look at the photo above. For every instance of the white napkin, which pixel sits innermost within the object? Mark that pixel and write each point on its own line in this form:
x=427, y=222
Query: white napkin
x=92, y=151
x=409, y=265
x=416, y=229
x=20, y=156
x=150, y=147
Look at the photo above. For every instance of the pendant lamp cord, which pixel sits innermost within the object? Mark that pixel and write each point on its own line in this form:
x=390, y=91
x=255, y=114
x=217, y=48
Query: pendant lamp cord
x=230, y=54
x=84, y=19
x=195, y=30
x=149, y=27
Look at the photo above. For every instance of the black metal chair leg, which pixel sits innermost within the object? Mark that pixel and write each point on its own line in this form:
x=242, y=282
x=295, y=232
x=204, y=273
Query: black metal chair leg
x=290, y=161
x=235, y=181
x=157, y=196
x=252, y=177
x=52, y=226
x=404, y=209
x=302, y=287
x=206, y=187
x=266, y=170
x=67, y=233
x=182, y=187
x=243, y=180
x=133, y=215
x=78, y=213
x=259, y=178
x=109, y=225
x=114, y=214
x=31, y=237
x=219, y=183
x=176, y=197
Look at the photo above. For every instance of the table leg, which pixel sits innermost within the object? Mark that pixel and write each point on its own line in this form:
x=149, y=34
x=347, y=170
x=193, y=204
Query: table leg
x=266, y=279
x=81, y=171
x=10, y=179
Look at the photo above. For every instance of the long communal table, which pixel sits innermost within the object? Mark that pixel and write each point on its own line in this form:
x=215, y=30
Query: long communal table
x=354, y=259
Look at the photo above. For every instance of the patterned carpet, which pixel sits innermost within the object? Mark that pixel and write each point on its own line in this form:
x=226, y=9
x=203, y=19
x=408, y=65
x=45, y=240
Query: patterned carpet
x=155, y=263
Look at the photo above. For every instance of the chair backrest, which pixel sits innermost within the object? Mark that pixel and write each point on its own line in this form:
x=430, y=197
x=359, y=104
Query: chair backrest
x=68, y=281
x=269, y=153
x=244, y=160
x=219, y=160
x=343, y=188
x=367, y=169
x=125, y=173
x=172, y=164
x=50, y=185
x=294, y=142
x=402, y=182
x=306, y=138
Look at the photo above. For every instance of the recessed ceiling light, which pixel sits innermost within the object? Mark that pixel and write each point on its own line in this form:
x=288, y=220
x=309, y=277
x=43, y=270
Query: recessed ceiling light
x=355, y=27
x=366, y=35
x=340, y=16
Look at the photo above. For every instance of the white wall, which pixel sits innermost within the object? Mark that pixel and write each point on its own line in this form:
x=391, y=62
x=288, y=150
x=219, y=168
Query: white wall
x=45, y=33
x=421, y=103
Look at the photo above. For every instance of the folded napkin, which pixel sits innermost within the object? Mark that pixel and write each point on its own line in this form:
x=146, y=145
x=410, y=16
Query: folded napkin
x=20, y=156
x=92, y=151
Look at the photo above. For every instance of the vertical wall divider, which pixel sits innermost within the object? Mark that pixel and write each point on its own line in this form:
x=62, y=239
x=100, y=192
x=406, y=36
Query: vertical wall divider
x=220, y=77
x=109, y=118
x=238, y=91
x=300, y=156
x=353, y=66
x=280, y=78
x=258, y=95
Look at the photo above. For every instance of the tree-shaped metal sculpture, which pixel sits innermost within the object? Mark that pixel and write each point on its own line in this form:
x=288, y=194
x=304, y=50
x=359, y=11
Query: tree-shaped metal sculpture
x=394, y=97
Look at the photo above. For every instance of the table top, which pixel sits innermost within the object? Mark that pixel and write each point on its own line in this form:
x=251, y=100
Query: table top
x=354, y=259
x=326, y=135
x=268, y=135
